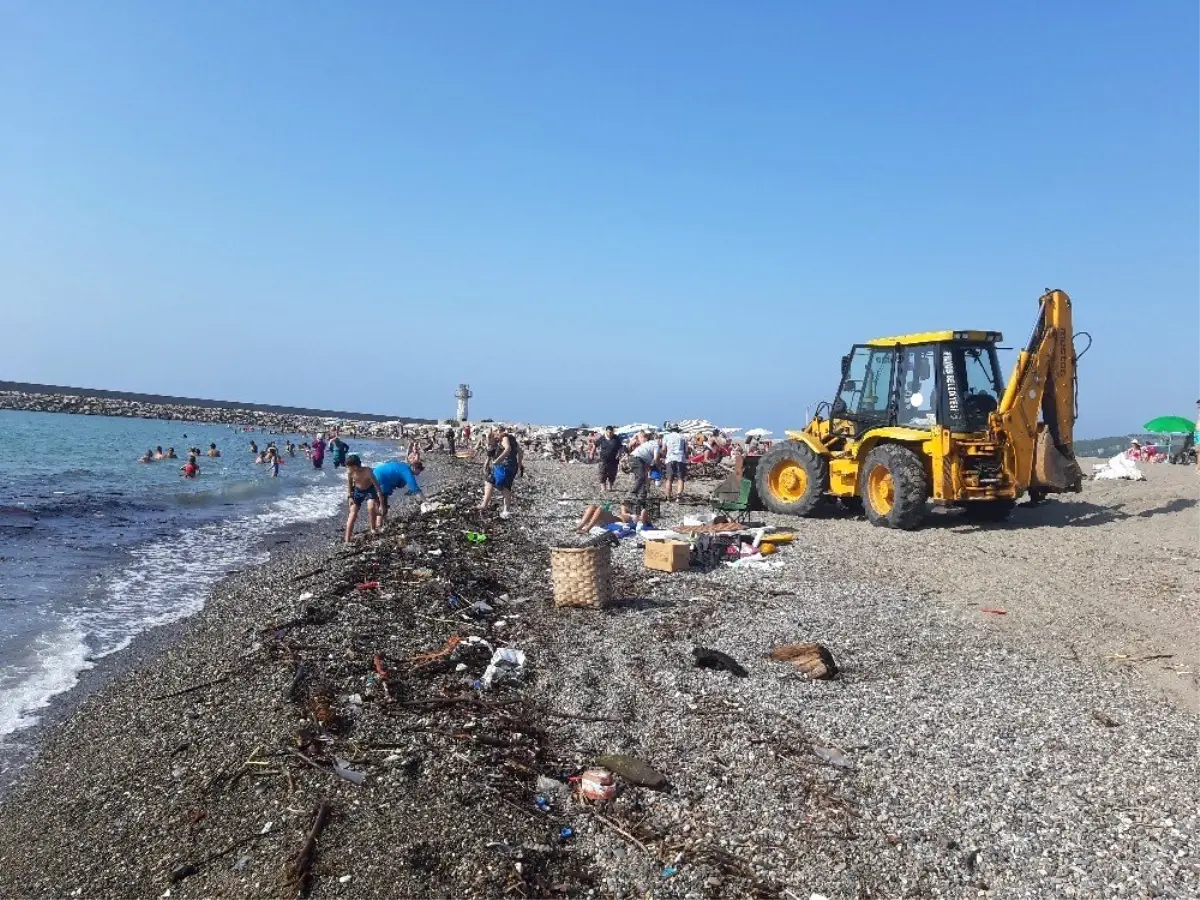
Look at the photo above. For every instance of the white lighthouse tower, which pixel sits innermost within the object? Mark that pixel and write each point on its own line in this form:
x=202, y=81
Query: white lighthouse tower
x=462, y=395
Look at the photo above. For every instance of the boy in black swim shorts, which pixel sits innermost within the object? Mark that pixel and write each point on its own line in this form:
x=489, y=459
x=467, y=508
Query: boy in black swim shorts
x=361, y=485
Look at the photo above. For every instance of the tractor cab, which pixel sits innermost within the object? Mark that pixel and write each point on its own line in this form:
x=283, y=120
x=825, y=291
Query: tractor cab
x=947, y=378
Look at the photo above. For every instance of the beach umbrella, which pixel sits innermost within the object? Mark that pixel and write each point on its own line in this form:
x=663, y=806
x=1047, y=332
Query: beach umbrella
x=1170, y=425
x=758, y=432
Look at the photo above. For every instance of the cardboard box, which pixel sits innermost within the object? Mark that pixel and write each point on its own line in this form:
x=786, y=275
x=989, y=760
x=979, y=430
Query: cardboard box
x=668, y=556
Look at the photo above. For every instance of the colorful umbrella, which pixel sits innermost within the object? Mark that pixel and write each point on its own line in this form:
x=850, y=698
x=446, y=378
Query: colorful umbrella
x=1170, y=425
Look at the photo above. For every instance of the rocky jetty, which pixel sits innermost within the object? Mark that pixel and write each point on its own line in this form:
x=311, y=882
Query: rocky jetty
x=281, y=422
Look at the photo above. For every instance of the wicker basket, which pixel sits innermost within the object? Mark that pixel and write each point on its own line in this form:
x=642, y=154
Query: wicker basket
x=582, y=576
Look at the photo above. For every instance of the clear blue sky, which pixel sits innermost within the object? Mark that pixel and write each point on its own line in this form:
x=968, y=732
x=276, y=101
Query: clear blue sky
x=605, y=211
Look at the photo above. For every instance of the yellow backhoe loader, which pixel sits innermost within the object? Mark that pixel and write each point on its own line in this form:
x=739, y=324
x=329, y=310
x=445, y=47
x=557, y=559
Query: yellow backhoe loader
x=927, y=417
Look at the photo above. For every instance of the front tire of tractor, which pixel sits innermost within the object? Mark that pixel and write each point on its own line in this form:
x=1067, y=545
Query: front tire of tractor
x=894, y=487
x=984, y=511
x=791, y=478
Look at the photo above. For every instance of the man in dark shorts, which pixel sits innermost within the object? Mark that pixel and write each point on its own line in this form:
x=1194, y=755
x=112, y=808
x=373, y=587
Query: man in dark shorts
x=644, y=456
x=608, y=450
x=674, y=451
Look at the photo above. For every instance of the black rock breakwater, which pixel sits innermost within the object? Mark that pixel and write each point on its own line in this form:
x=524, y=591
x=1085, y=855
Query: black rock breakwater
x=80, y=401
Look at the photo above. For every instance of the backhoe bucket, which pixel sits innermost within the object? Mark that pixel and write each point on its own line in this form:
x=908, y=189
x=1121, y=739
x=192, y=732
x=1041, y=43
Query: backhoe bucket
x=1053, y=470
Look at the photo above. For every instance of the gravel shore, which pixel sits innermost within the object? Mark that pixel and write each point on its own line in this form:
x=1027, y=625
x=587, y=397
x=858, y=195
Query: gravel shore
x=1031, y=754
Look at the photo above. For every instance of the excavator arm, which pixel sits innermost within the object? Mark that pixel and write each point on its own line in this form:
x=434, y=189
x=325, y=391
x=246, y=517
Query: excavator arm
x=1042, y=454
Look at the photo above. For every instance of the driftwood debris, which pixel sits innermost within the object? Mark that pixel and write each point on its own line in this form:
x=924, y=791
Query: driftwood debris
x=813, y=660
x=298, y=873
x=194, y=687
x=707, y=658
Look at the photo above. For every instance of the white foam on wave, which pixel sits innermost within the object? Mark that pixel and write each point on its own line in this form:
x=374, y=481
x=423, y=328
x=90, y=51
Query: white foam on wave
x=60, y=662
x=166, y=580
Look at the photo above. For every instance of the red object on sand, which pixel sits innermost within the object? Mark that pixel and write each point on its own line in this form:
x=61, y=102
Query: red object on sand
x=368, y=585
x=996, y=612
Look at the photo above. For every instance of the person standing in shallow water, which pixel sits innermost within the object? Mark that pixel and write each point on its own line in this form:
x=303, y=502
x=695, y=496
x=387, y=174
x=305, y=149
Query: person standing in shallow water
x=318, y=452
x=340, y=448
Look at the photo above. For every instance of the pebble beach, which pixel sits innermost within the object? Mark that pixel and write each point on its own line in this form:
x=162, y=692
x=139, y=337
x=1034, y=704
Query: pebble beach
x=1015, y=716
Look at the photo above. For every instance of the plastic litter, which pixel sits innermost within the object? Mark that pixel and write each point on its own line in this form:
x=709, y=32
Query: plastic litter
x=668, y=871
x=598, y=784
x=566, y=833
x=480, y=608
x=475, y=537
x=541, y=803
x=996, y=612
x=1119, y=467
x=367, y=585
x=634, y=770
x=832, y=756
x=507, y=662
x=354, y=776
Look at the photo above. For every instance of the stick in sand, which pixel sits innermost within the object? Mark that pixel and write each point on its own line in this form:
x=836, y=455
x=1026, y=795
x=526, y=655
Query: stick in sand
x=299, y=869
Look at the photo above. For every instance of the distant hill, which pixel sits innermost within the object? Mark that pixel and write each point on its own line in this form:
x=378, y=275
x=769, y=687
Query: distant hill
x=1102, y=447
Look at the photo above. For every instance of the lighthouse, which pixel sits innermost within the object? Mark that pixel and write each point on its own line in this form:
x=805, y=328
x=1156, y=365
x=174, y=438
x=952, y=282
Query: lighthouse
x=462, y=395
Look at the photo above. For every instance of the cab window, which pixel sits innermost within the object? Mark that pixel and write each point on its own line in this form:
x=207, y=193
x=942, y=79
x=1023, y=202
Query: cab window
x=866, y=386
x=917, y=405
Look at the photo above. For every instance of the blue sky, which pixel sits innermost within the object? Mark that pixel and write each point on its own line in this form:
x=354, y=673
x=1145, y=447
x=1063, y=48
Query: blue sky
x=593, y=212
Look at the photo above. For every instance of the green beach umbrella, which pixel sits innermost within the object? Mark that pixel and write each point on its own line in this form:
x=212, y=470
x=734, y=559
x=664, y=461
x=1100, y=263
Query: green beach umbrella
x=1170, y=425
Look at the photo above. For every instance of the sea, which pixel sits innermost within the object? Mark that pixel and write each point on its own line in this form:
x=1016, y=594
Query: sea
x=97, y=548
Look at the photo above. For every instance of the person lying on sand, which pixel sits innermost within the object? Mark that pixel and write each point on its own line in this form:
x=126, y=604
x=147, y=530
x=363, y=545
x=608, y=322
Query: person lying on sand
x=361, y=485
x=596, y=516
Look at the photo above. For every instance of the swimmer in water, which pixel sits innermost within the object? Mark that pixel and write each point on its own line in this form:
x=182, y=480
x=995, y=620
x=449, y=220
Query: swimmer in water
x=171, y=453
x=213, y=451
x=272, y=459
x=253, y=447
x=148, y=457
x=158, y=453
x=361, y=485
x=190, y=469
x=290, y=448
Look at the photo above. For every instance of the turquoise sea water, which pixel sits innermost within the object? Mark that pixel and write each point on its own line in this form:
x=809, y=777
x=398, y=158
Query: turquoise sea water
x=96, y=548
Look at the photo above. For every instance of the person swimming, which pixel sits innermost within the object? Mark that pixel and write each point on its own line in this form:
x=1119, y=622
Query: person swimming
x=171, y=453
x=158, y=453
x=290, y=448
x=190, y=469
x=147, y=457
x=213, y=451
x=253, y=447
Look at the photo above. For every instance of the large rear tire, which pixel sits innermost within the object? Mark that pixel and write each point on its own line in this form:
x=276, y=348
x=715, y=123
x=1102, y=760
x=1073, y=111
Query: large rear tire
x=894, y=487
x=791, y=479
x=989, y=510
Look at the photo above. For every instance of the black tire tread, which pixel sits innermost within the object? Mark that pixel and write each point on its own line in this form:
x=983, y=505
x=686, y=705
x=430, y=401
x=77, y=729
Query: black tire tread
x=912, y=486
x=815, y=465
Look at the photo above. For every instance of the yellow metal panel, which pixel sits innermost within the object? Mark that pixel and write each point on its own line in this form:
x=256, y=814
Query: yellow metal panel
x=805, y=438
x=933, y=337
x=843, y=476
x=894, y=433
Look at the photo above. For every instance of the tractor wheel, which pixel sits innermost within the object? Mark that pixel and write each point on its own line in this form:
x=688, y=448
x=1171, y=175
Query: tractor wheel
x=791, y=478
x=894, y=487
x=989, y=510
